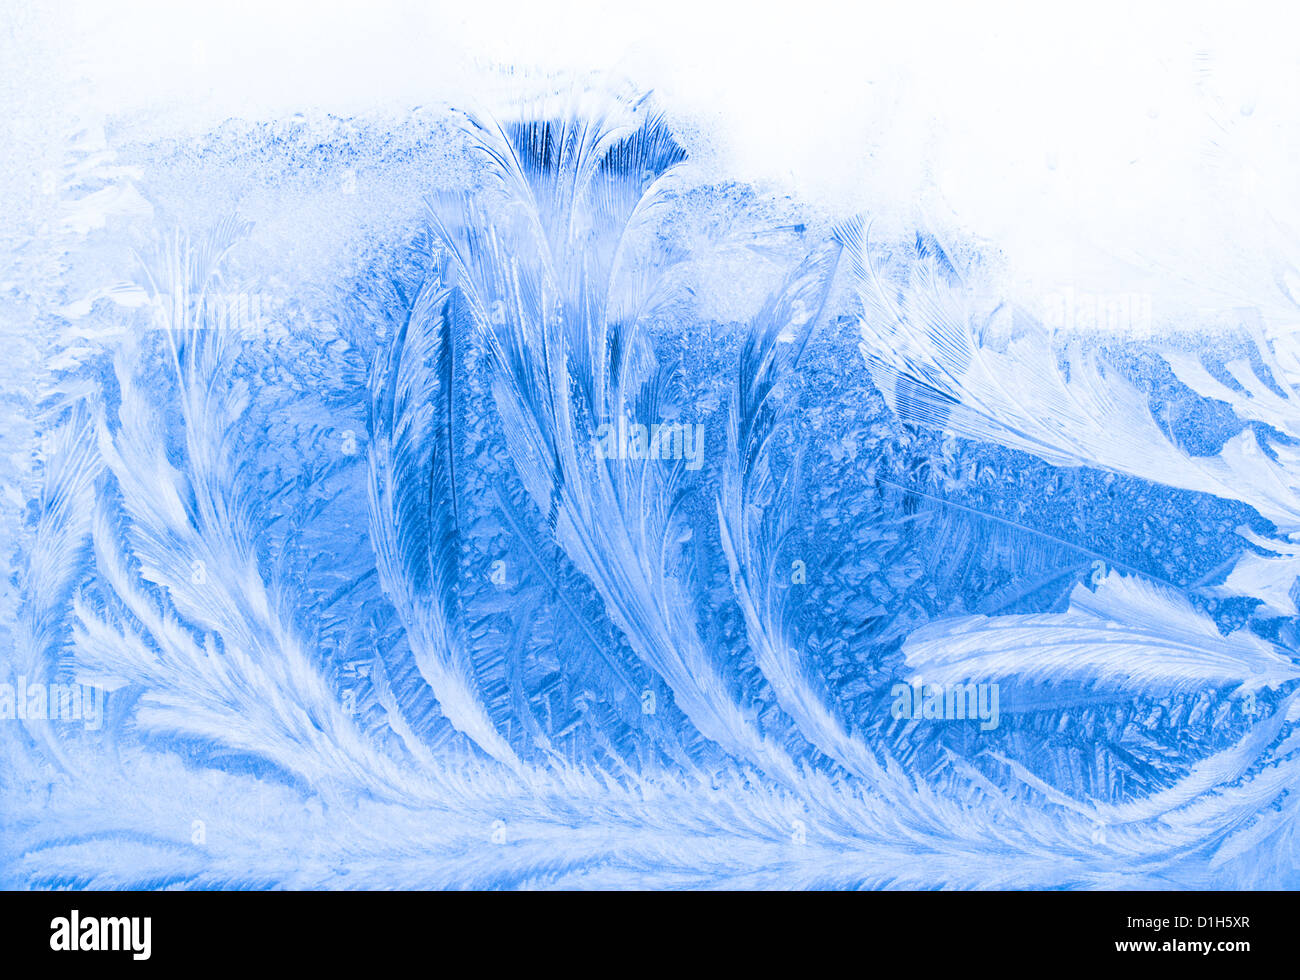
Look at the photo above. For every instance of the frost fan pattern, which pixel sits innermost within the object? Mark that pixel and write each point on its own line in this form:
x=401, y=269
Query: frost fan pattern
x=501, y=559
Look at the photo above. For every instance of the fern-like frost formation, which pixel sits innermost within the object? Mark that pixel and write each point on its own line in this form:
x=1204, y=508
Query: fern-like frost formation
x=533, y=513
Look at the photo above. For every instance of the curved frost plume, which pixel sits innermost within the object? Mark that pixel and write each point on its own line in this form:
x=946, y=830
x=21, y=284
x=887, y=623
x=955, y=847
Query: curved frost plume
x=183, y=619
x=57, y=555
x=1255, y=400
x=559, y=279
x=1269, y=577
x=924, y=342
x=756, y=508
x=1270, y=398
x=413, y=519
x=1128, y=635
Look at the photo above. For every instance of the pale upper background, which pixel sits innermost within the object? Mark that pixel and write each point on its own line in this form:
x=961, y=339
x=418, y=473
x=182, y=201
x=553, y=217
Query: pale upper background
x=1104, y=149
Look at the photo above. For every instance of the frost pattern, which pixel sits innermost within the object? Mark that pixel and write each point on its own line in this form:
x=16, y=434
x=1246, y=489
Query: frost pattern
x=507, y=563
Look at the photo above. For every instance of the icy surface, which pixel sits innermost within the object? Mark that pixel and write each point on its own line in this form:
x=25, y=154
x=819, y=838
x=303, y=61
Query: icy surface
x=455, y=498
